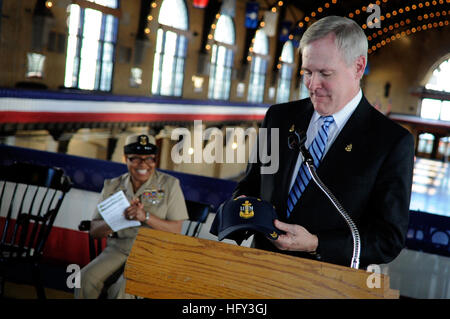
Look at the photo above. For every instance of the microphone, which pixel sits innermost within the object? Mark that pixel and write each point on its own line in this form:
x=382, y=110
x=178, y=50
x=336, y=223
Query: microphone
x=297, y=140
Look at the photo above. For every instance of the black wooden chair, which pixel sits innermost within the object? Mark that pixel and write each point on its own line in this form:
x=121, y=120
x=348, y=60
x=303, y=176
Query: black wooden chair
x=30, y=199
x=198, y=213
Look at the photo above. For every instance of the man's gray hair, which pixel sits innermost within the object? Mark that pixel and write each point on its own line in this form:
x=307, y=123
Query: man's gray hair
x=350, y=38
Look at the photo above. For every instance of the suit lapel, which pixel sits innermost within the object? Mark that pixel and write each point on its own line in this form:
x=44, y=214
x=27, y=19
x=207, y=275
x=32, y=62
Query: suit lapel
x=300, y=122
x=353, y=134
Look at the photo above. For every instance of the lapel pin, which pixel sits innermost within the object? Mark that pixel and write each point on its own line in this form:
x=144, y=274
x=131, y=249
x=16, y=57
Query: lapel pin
x=292, y=128
x=349, y=147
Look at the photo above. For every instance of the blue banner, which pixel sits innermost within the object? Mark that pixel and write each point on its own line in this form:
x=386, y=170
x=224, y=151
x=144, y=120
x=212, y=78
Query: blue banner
x=251, y=15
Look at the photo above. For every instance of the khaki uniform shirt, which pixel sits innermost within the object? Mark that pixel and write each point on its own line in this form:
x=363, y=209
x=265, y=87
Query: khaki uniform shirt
x=161, y=196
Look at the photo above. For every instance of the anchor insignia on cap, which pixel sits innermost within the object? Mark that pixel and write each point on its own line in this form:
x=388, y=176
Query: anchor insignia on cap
x=143, y=140
x=246, y=210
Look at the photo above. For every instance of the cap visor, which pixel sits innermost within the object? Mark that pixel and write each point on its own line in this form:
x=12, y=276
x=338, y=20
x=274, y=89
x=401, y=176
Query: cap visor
x=260, y=229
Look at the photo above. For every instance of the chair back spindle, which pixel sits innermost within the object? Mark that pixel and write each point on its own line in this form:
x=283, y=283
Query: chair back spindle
x=31, y=197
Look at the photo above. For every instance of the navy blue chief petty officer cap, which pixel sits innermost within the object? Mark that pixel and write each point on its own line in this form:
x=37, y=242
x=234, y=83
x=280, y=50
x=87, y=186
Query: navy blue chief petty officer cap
x=239, y=218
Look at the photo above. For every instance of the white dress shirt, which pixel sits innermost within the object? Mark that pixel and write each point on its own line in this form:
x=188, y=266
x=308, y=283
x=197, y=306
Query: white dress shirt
x=340, y=119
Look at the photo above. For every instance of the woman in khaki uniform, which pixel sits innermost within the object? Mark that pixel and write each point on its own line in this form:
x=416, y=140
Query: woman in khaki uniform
x=156, y=200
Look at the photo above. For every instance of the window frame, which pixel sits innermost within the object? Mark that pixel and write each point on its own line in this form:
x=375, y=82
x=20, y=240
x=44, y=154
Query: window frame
x=230, y=49
x=286, y=67
x=225, y=89
x=444, y=100
x=182, y=35
x=264, y=61
x=105, y=12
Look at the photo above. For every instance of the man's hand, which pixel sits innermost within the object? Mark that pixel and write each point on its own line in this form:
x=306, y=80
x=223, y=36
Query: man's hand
x=297, y=238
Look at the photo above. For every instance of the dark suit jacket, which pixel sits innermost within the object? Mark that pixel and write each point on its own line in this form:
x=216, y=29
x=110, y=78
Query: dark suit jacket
x=372, y=182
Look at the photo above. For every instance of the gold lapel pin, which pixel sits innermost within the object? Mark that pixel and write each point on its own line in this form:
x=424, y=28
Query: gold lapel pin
x=292, y=128
x=349, y=147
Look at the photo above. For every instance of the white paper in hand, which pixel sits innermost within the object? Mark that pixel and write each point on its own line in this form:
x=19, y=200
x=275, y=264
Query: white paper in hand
x=112, y=210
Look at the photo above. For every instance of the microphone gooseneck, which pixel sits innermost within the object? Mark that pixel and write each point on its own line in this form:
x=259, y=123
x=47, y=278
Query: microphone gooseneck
x=312, y=171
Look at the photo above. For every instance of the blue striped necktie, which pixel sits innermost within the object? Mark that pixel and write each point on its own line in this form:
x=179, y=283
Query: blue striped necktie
x=316, y=149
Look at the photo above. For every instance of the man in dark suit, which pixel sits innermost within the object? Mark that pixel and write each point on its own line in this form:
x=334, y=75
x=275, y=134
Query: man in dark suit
x=364, y=158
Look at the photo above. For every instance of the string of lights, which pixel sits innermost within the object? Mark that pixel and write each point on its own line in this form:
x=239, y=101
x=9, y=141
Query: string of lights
x=212, y=29
x=322, y=10
x=313, y=14
x=401, y=11
x=407, y=32
x=402, y=23
x=150, y=18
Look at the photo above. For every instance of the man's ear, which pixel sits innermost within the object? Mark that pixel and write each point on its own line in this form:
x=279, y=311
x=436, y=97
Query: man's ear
x=360, y=66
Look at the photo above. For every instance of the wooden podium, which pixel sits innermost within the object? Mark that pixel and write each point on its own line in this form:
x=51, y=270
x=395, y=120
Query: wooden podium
x=173, y=266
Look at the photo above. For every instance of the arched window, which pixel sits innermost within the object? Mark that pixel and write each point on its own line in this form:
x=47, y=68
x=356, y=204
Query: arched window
x=171, y=44
x=284, y=81
x=259, y=68
x=440, y=81
x=90, y=46
x=221, y=59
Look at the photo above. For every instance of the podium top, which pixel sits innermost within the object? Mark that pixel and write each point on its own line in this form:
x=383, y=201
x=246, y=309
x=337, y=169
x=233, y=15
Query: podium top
x=173, y=266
